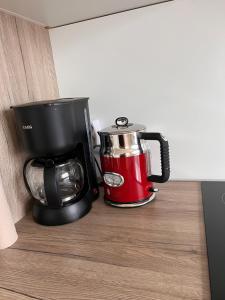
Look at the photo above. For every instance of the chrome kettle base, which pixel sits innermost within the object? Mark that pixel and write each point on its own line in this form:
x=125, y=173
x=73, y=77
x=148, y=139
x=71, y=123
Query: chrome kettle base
x=129, y=205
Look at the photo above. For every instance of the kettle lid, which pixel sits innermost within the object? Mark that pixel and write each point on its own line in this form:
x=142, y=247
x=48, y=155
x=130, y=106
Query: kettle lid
x=122, y=126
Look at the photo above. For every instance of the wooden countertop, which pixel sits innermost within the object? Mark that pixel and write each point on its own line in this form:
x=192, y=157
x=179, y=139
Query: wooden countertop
x=155, y=252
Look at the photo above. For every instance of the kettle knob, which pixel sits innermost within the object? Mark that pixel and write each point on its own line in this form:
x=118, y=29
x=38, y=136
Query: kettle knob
x=121, y=121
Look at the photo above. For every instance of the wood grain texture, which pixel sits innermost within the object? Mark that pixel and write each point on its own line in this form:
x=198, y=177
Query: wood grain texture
x=13, y=90
x=156, y=252
x=21, y=54
x=38, y=60
x=11, y=295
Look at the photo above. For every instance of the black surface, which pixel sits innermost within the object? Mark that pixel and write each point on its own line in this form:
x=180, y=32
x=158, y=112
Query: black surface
x=53, y=128
x=45, y=215
x=59, y=128
x=49, y=102
x=213, y=197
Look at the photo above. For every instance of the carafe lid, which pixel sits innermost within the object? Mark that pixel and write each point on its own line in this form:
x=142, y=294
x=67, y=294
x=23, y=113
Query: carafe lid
x=122, y=126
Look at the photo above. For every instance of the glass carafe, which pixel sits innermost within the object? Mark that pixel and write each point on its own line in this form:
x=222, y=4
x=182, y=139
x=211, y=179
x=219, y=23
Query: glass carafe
x=67, y=177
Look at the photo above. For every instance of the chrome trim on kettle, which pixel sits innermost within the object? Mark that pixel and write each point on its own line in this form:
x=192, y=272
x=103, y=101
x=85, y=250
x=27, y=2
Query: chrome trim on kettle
x=121, y=145
x=134, y=204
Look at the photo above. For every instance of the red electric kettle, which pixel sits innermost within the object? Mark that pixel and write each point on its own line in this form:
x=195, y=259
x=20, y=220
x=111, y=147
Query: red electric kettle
x=125, y=162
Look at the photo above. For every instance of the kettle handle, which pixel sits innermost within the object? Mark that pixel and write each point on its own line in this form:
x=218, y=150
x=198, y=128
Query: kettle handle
x=164, y=152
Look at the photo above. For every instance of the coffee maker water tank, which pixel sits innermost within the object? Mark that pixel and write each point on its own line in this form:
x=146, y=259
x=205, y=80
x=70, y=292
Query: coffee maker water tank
x=51, y=128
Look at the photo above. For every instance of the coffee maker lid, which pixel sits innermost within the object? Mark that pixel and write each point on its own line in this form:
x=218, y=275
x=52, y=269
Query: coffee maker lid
x=122, y=126
x=59, y=101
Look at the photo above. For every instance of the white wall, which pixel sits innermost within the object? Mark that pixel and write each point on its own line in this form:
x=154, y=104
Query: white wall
x=163, y=66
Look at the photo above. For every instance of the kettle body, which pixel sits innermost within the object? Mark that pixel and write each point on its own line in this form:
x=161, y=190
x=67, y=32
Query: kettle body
x=126, y=167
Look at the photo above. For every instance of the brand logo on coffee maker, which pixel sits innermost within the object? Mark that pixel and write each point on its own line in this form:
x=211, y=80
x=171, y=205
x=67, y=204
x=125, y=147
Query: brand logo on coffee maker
x=27, y=126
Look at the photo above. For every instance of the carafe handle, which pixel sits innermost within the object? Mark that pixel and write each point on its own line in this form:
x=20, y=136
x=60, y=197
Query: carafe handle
x=164, y=152
x=50, y=183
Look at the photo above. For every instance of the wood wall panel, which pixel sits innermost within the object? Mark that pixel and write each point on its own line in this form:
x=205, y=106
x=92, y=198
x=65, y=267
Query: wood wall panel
x=13, y=89
x=26, y=74
x=38, y=60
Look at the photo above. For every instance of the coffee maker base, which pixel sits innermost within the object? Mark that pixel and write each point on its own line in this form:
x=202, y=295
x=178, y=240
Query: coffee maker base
x=59, y=216
x=129, y=204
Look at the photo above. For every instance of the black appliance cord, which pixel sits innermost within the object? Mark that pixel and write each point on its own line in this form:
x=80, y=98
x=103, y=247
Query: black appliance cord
x=99, y=169
x=97, y=164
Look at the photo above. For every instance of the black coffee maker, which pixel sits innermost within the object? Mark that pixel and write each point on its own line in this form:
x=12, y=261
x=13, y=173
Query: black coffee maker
x=60, y=170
